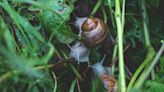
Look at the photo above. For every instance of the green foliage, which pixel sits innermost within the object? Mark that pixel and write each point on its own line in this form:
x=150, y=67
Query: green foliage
x=21, y=61
x=14, y=66
x=153, y=86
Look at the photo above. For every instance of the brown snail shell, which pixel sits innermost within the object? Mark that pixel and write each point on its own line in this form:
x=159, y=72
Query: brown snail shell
x=94, y=32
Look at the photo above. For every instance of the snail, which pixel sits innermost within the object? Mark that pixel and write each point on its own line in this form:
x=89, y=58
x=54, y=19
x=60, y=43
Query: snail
x=93, y=31
x=79, y=52
x=109, y=82
x=98, y=67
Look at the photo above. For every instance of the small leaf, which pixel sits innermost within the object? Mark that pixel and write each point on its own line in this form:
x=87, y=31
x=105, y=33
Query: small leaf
x=54, y=18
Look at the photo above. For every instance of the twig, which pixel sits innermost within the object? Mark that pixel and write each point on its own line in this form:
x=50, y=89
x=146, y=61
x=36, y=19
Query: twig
x=55, y=87
x=78, y=86
x=127, y=69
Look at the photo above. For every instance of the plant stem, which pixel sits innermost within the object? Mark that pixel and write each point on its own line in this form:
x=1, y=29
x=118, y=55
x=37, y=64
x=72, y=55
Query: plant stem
x=123, y=15
x=122, y=84
x=145, y=22
x=148, y=69
x=114, y=57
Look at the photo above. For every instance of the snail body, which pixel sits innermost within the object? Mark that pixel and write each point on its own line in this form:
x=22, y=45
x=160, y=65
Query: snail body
x=79, y=52
x=98, y=67
x=93, y=31
x=79, y=22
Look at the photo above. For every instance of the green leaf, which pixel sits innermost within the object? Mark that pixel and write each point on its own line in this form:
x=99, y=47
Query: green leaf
x=58, y=28
x=55, y=19
x=61, y=8
x=54, y=14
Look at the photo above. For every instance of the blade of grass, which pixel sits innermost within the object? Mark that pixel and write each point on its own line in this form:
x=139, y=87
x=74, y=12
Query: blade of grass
x=30, y=35
x=104, y=14
x=97, y=6
x=6, y=36
x=24, y=23
x=72, y=86
x=16, y=22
